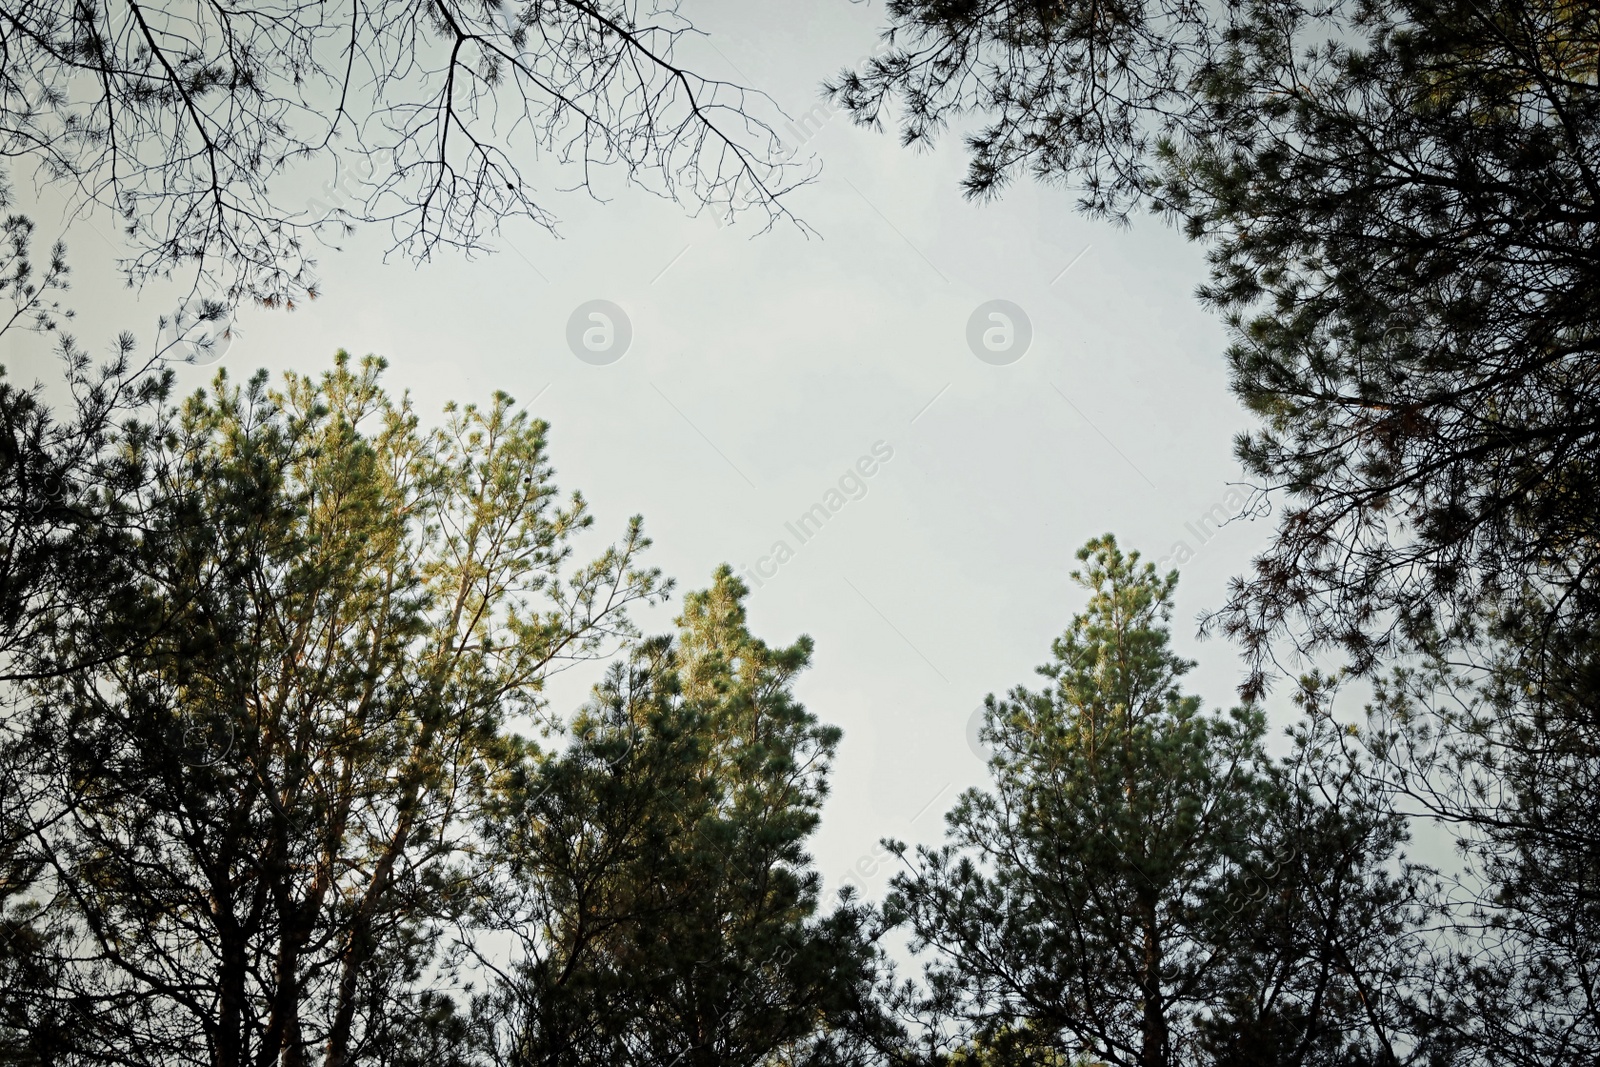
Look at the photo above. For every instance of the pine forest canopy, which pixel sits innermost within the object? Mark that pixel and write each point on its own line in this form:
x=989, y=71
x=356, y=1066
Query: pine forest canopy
x=1144, y=886
x=281, y=778
x=1399, y=199
x=273, y=657
x=270, y=786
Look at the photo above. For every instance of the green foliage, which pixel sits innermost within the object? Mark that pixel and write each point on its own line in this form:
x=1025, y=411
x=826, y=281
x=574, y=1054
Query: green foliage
x=68, y=499
x=1509, y=749
x=258, y=768
x=272, y=802
x=1143, y=885
x=1399, y=200
x=655, y=870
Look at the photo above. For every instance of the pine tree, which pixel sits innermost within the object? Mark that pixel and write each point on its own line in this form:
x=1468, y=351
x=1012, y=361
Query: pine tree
x=255, y=812
x=70, y=491
x=1399, y=200
x=668, y=910
x=1507, y=751
x=1130, y=889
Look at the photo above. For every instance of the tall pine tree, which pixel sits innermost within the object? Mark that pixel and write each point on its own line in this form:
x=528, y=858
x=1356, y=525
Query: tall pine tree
x=255, y=774
x=667, y=910
x=1143, y=886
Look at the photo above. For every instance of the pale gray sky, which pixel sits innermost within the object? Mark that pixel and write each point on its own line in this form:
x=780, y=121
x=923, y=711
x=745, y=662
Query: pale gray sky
x=758, y=373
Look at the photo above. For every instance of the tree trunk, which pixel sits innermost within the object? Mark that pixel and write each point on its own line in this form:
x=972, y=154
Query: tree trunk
x=1155, y=1048
x=230, y=1001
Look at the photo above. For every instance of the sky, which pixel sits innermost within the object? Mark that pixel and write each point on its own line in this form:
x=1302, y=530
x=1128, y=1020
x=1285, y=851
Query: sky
x=765, y=372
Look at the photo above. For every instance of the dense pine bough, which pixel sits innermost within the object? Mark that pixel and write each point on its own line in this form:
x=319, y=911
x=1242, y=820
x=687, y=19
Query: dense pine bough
x=1400, y=202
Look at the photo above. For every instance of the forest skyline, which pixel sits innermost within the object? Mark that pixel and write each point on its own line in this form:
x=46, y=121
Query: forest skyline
x=417, y=637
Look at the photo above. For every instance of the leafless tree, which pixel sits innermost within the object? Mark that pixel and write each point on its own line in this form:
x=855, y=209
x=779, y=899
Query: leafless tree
x=199, y=123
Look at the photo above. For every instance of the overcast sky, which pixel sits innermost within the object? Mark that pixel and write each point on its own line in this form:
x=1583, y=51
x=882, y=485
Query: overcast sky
x=759, y=373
